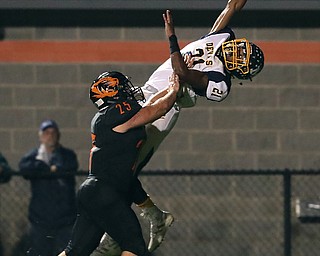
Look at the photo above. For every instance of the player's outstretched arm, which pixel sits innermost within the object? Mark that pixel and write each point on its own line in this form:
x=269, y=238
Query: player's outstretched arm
x=225, y=16
x=155, y=110
x=195, y=78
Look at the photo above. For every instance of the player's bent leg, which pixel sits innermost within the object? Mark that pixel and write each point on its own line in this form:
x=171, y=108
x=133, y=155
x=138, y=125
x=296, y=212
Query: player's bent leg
x=156, y=133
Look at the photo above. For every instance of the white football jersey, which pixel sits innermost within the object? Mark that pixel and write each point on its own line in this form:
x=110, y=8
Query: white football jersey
x=203, y=51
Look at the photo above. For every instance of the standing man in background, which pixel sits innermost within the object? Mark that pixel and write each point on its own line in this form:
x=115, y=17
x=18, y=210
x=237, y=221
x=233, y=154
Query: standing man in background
x=5, y=176
x=5, y=170
x=52, y=210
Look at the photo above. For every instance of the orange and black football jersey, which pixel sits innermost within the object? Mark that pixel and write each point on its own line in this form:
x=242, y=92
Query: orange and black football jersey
x=113, y=155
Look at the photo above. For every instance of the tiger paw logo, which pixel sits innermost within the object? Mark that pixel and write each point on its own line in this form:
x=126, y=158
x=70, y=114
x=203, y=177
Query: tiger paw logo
x=105, y=87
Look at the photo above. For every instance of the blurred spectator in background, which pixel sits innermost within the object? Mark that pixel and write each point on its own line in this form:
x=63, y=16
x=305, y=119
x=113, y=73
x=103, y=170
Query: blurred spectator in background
x=5, y=170
x=5, y=176
x=52, y=210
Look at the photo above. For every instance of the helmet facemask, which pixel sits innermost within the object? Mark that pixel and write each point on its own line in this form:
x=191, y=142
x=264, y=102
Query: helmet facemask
x=133, y=91
x=242, y=58
x=236, y=54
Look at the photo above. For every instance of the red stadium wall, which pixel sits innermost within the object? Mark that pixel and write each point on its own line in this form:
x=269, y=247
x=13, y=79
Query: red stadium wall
x=137, y=52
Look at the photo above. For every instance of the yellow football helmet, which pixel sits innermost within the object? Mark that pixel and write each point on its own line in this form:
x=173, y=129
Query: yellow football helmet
x=242, y=58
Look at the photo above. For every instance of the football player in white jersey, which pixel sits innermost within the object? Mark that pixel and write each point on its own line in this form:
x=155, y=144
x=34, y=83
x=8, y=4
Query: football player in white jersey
x=212, y=62
x=206, y=68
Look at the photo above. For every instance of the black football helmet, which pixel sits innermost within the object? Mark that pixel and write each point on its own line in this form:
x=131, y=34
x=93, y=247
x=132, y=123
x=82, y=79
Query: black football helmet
x=112, y=86
x=242, y=58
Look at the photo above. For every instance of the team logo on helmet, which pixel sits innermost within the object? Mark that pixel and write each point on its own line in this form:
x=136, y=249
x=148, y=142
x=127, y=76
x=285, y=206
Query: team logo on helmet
x=110, y=88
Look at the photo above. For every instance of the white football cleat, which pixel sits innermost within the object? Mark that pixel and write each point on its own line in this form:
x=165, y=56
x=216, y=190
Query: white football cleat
x=160, y=221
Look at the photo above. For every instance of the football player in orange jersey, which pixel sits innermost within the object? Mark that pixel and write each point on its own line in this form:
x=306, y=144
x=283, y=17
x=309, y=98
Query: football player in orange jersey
x=118, y=130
